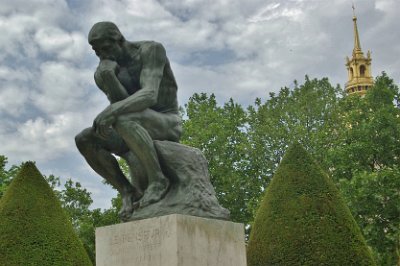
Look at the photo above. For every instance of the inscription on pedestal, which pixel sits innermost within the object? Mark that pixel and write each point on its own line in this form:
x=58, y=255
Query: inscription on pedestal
x=173, y=240
x=137, y=243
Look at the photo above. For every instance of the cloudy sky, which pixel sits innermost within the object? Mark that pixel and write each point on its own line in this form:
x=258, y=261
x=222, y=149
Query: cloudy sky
x=233, y=48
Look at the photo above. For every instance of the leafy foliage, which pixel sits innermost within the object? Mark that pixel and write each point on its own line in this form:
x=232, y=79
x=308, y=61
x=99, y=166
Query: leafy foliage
x=367, y=132
x=220, y=133
x=305, y=114
x=303, y=220
x=374, y=199
x=346, y=135
x=86, y=225
x=244, y=147
x=33, y=226
x=6, y=175
x=75, y=201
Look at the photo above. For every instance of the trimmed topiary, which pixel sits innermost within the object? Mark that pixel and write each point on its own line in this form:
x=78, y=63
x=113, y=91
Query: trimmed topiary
x=34, y=230
x=303, y=220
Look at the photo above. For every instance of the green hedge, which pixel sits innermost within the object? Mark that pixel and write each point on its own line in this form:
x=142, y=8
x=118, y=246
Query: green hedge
x=34, y=230
x=303, y=220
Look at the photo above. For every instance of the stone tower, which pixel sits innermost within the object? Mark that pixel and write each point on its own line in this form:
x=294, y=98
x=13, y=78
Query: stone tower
x=358, y=67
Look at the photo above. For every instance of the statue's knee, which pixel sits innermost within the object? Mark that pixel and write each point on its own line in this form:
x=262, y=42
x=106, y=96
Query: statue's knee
x=82, y=140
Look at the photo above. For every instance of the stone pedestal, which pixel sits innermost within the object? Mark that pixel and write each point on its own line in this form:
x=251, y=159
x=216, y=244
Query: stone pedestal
x=172, y=240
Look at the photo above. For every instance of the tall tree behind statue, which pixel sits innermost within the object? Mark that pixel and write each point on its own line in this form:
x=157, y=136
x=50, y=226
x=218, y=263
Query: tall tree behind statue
x=351, y=137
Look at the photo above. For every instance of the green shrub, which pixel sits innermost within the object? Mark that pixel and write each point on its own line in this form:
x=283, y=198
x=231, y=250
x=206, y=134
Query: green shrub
x=34, y=230
x=303, y=220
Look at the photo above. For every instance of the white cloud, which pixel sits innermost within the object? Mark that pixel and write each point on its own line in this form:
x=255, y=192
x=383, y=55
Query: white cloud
x=13, y=100
x=13, y=93
x=15, y=39
x=386, y=5
x=42, y=139
x=273, y=11
x=20, y=20
x=62, y=87
x=224, y=82
x=62, y=44
x=9, y=74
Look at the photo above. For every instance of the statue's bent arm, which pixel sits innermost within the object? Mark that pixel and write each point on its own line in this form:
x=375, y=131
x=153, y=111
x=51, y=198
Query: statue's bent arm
x=110, y=85
x=153, y=61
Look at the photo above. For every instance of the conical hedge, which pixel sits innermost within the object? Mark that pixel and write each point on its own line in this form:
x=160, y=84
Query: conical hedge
x=34, y=230
x=303, y=220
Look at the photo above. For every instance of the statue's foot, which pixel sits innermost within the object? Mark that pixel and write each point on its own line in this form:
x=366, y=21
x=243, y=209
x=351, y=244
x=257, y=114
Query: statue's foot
x=136, y=205
x=129, y=204
x=154, y=192
x=127, y=208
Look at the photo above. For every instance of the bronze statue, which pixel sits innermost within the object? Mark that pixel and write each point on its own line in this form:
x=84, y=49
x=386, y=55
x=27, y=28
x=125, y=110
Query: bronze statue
x=138, y=81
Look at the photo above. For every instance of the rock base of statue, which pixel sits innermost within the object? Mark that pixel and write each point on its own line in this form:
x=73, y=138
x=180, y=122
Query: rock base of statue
x=172, y=240
x=190, y=192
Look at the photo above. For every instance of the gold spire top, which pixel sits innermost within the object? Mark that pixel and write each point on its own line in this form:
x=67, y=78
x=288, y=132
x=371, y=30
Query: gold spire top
x=358, y=67
x=357, y=46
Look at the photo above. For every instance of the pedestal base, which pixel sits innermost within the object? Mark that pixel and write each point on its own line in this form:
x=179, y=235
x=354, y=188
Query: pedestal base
x=172, y=240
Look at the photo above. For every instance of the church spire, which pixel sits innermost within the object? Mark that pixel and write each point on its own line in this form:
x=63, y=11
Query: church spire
x=357, y=46
x=358, y=67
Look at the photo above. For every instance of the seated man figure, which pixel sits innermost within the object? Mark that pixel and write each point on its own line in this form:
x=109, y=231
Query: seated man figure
x=139, y=83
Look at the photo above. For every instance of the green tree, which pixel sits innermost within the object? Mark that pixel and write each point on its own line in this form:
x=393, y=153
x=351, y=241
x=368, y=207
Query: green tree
x=243, y=147
x=374, y=199
x=346, y=135
x=303, y=220
x=6, y=175
x=33, y=226
x=368, y=131
x=220, y=132
x=306, y=114
x=365, y=158
x=87, y=225
x=75, y=202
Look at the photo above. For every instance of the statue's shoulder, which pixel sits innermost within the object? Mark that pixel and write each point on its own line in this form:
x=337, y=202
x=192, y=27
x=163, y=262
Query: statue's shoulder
x=146, y=46
x=145, y=49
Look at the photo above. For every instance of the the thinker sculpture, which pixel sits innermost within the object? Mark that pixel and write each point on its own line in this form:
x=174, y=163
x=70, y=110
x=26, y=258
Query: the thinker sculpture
x=139, y=83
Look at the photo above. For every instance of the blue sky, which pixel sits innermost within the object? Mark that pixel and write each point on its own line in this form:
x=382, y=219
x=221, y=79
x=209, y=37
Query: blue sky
x=239, y=49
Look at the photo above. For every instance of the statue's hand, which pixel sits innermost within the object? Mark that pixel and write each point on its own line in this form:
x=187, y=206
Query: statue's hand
x=107, y=67
x=104, y=121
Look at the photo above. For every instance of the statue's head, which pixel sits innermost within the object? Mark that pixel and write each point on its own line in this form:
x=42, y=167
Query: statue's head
x=106, y=40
